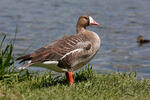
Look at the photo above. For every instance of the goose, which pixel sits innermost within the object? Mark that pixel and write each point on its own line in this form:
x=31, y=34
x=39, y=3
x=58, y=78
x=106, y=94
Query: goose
x=68, y=53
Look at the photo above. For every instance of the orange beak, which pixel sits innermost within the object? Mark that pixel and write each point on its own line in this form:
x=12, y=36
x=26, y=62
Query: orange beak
x=94, y=23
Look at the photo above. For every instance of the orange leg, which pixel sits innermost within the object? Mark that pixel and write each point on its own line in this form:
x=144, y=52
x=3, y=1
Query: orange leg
x=69, y=77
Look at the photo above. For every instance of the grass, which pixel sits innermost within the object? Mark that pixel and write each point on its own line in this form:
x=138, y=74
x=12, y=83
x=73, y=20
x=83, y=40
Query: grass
x=89, y=85
x=6, y=57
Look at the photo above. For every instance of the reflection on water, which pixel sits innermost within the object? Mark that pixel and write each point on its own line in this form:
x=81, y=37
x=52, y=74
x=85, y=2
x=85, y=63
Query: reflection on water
x=41, y=22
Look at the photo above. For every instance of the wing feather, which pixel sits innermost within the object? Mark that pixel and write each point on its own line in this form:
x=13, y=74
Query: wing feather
x=56, y=50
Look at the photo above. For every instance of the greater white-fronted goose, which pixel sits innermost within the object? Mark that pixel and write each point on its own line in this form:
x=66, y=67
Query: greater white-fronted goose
x=68, y=53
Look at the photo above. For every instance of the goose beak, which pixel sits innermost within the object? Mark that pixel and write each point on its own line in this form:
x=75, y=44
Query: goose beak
x=92, y=21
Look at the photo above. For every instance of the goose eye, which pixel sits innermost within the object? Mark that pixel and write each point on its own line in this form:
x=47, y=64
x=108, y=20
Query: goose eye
x=86, y=18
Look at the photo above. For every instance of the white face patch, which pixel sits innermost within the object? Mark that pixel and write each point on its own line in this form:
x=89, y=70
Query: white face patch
x=91, y=20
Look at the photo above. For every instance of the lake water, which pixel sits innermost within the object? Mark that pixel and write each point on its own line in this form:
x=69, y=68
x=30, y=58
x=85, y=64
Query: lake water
x=40, y=22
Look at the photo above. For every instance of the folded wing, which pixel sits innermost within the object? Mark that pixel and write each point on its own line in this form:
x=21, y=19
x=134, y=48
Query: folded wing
x=62, y=50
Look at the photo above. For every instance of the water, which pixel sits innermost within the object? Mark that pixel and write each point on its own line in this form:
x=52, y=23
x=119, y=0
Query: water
x=40, y=22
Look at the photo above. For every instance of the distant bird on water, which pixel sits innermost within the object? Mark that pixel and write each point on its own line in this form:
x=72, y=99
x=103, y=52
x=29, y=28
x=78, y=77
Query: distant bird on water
x=142, y=41
x=68, y=53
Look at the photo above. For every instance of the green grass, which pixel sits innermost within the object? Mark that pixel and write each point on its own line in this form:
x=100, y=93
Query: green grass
x=6, y=58
x=89, y=85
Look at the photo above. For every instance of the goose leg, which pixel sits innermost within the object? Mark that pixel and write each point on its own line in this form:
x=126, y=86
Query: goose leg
x=69, y=77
